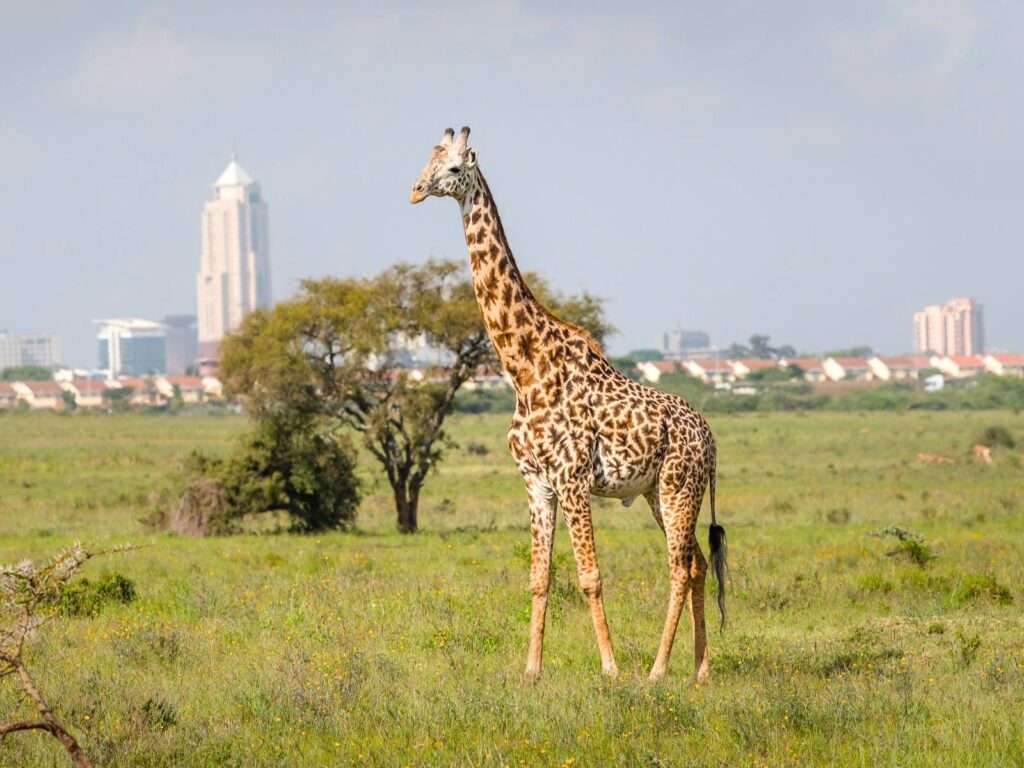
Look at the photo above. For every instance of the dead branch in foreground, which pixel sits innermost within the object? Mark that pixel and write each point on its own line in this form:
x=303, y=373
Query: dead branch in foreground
x=27, y=596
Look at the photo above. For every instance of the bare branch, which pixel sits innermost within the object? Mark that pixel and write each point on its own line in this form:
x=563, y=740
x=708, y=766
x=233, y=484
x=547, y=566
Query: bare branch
x=24, y=725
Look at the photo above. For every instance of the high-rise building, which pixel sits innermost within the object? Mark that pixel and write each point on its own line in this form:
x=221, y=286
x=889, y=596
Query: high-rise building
x=132, y=347
x=18, y=349
x=182, y=343
x=234, y=269
x=954, y=328
x=680, y=344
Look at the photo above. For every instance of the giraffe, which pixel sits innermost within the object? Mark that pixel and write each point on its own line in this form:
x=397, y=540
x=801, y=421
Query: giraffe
x=582, y=429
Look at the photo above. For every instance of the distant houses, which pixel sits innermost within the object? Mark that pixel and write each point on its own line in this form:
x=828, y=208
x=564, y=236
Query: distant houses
x=899, y=367
x=878, y=368
x=1005, y=364
x=711, y=370
x=90, y=393
x=68, y=390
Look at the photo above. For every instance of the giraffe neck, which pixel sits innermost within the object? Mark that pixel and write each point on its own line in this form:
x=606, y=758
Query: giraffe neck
x=515, y=320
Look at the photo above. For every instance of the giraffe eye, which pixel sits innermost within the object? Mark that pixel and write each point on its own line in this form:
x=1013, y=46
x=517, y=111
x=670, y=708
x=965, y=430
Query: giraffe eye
x=454, y=169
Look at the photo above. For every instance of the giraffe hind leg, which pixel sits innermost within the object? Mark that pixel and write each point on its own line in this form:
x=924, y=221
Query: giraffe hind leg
x=698, y=571
x=679, y=501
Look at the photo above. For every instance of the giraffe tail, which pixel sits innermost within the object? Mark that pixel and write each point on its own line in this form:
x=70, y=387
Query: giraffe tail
x=716, y=541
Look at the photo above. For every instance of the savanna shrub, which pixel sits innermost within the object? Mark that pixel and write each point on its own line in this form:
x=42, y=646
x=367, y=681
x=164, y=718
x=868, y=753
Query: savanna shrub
x=997, y=436
x=908, y=545
x=293, y=466
x=87, y=598
x=285, y=464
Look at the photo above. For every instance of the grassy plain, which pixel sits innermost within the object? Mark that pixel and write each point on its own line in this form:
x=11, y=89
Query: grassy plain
x=372, y=648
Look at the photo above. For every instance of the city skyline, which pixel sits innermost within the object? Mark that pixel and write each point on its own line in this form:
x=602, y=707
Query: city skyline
x=818, y=191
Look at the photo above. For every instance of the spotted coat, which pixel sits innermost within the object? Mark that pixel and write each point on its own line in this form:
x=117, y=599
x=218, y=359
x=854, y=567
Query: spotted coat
x=580, y=427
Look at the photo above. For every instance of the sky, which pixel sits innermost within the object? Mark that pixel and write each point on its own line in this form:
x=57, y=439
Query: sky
x=815, y=171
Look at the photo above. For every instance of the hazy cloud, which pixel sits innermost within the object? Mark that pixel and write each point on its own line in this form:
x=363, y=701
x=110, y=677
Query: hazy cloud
x=908, y=54
x=147, y=66
x=151, y=65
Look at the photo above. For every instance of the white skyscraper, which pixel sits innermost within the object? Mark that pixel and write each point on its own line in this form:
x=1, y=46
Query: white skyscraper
x=234, y=273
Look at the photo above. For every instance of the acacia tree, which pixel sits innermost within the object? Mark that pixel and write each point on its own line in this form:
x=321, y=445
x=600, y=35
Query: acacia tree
x=335, y=350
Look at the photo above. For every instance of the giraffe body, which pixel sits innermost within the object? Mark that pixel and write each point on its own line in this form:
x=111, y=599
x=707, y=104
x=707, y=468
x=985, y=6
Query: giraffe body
x=581, y=428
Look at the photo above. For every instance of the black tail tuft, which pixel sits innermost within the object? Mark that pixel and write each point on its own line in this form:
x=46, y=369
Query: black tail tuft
x=716, y=541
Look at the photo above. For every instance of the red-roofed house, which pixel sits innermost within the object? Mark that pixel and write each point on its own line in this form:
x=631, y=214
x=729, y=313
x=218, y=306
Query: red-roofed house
x=960, y=366
x=708, y=369
x=214, y=389
x=8, y=397
x=40, y=395
x=743, y=368
x=899, y=367
x=811, y=366
x=653, y=370
x=840, y=368
x=144, y=391
x=1005, y=364
x=88, y=393
x=191, y=388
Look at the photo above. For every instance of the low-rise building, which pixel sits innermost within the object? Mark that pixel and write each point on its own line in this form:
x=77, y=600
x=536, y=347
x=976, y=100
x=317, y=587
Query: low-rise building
x=710, y=370
x=213, y=388
x=88, y=393
x=652, y=370
x=144, y=390
x=8, y=396
x=743, y=368
x=1005, y=364
x=40, y=395
x=811, y=367
x=847, y=368
x=898, y=367
x=190, y=388
x=959, y=366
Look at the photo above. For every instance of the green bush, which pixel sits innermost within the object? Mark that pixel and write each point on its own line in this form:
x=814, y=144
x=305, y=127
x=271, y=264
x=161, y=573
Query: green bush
x=285, y=464
x=996, y=436
x=88, y=598
x=980, y=586
x=499, y=400
x=908, y=545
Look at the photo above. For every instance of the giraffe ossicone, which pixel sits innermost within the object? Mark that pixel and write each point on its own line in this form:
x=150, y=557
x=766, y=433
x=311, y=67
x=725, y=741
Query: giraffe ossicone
x=582, y=429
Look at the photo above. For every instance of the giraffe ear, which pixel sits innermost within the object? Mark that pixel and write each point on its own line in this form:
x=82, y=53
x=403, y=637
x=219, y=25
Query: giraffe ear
x=471, y=158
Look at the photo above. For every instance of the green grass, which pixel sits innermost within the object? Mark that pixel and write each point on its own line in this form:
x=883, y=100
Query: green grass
x=372, y=648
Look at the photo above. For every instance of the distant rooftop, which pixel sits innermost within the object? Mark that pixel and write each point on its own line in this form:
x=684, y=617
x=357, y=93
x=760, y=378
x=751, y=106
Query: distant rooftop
x=234, y=176
x=130, y=324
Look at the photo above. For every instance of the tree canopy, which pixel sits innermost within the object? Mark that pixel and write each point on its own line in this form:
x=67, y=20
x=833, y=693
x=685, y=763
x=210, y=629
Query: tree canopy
x=337, y=351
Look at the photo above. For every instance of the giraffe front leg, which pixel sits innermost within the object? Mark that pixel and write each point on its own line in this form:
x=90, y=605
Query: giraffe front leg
x=543, y=506
x=576, y=508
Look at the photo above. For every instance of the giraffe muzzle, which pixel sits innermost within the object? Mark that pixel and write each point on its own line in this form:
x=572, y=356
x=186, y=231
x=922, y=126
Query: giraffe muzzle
x=418, y=195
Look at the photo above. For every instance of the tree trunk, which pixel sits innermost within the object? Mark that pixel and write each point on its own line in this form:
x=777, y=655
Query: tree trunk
x=407, y=506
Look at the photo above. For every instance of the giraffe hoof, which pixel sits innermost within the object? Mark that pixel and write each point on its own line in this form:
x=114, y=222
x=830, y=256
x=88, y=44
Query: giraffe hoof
x=611, y=671
x=698, y=678
x=531, y=676
x=656, y=675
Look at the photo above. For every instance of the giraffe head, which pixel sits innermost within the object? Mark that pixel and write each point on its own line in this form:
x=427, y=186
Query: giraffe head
x=449, y=171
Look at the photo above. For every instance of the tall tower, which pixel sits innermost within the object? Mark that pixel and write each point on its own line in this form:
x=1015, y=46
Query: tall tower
x=954, y=328
x=234, y=270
